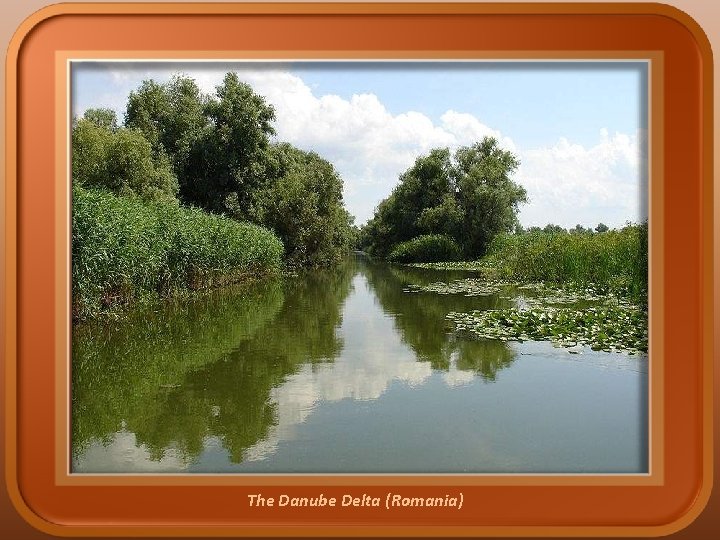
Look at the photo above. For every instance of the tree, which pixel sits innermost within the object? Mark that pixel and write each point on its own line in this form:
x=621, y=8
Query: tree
x=171, y=116
x=228, y=159
x=118, y=159
x=468, y=196
x=219, y=148
x=488, y=198
x=303, y=203
x=601, y=228
x=579, y=229
x=215, y=144
x=102, y=118
x=421, y=203
x=551, y=228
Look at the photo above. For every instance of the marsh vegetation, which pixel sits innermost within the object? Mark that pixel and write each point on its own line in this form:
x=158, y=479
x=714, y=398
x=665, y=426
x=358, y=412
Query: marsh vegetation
x=190, y=192
x=222, y=322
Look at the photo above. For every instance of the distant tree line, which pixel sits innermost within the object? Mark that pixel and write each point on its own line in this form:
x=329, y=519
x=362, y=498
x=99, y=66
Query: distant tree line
x=214, y=152
x=551, y=228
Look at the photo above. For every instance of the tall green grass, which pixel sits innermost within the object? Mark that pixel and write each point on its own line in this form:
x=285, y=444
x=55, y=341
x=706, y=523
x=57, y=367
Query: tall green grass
x=616, y=259
x=125, y=249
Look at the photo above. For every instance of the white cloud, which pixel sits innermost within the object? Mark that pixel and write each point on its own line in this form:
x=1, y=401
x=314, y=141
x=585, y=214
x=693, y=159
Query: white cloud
x=123, y=453
x=368, y=145
x=468, y=129
x=568, y=183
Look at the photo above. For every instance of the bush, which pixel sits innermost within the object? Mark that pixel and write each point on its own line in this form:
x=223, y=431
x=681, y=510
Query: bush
x=125, y=249
x=426, y=248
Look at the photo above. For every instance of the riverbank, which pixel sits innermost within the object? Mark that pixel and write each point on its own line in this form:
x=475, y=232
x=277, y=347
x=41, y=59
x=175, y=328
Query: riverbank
x=126, y=250
x=572, y=289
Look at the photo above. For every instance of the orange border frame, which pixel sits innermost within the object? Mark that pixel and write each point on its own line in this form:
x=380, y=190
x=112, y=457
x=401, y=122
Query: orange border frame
x=37, y=253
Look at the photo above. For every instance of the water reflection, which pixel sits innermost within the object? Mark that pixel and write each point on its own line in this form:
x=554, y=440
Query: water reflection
x=420, y=319
x=338, y=370
x=202, y=368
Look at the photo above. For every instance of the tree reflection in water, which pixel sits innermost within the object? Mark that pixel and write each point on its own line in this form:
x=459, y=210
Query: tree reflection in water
x=209, y=368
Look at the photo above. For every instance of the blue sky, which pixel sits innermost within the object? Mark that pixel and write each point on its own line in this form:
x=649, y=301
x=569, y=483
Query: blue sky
x=578, y=128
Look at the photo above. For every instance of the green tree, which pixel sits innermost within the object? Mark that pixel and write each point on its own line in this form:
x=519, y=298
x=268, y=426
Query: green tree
x=118, y=159
x=102, y=118
x=303, y=203
x=553, y=229
x=227, y=161
x=601, y=227
x=172, y=118
x=469, y=197
x=422, y=203
x=219, y=148
x=487, y=196
x=215, y=143
x=579, y=229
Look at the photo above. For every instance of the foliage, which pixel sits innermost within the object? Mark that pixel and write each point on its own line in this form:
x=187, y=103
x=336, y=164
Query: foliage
x=616, y=259
x=172, y=118
x=476, y=266
x=221, y=153
x=304, y=206
x=125, y=249
x=607, y=328
x=607, y=270
x=601, y=227
x=429, y=247
x=468, y=196
x=466, y=287
x=216, y=143
x=118, y=159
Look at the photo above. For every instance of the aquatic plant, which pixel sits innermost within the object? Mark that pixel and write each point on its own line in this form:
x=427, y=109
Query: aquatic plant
x=610, y=262
x=468, y=287
x=607, y=328
x=450, y=265
x=615, y=260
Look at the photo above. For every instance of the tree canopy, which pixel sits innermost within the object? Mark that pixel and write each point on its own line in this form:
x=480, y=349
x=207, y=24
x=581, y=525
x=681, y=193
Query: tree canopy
x=468, y=196
x=302, y=201
x=118, y=159
x=215, y=152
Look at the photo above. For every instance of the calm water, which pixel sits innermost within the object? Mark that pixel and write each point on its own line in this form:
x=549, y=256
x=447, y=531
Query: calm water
x=342, y=371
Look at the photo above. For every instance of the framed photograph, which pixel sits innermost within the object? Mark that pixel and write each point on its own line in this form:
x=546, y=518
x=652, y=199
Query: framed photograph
x=359, y=269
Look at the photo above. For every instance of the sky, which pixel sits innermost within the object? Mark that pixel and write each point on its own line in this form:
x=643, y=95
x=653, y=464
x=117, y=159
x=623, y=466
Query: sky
x=578, y=128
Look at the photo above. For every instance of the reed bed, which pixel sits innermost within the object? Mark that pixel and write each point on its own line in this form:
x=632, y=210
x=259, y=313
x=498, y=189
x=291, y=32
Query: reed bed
x=126, y=250
x=615, y=260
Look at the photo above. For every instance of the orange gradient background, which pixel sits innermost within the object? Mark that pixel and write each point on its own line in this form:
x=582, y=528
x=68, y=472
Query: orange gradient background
x=639, y=506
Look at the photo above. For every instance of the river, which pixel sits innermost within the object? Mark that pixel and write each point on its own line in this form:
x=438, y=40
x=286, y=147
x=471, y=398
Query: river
x=341, y=371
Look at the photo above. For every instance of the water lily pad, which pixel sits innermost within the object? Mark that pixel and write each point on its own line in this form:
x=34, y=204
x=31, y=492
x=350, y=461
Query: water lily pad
x=606, y=328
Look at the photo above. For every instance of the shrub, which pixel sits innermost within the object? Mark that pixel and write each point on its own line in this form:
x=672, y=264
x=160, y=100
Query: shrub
x=125, y=249
x=426, y=248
